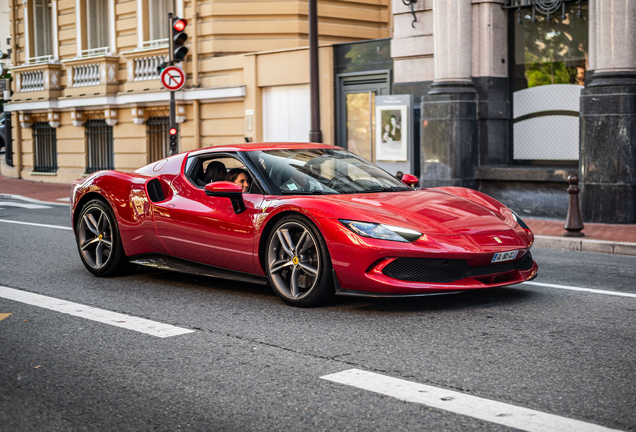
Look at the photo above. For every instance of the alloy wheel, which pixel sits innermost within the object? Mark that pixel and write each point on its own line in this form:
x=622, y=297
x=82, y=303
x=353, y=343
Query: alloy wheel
x=293, y=260
x=95, y=237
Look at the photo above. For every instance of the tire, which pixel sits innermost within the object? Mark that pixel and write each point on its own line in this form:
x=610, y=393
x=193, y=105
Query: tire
x=297, y=263
x=98, y=241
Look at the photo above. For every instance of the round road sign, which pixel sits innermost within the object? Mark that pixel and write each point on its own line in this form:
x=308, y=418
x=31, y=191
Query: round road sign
x=172, y=78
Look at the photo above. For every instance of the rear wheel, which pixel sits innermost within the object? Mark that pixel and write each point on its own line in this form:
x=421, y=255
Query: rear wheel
x=298, y=263
x=98, y=241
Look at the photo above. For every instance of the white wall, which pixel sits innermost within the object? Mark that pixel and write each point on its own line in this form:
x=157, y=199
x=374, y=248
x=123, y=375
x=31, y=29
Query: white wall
x=286, y=113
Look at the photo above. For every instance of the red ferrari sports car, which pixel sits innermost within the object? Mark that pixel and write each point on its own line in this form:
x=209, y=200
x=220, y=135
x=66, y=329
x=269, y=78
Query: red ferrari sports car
x=313, y=220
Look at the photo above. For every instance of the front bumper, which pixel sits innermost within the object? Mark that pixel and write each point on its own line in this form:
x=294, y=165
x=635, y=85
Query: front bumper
x=359, y=263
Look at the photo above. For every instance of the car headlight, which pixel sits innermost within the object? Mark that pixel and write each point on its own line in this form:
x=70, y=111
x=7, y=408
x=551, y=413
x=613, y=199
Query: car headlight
x=382, y=231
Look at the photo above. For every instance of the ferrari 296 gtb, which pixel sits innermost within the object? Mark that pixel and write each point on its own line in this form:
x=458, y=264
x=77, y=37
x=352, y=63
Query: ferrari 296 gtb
x=311, y=220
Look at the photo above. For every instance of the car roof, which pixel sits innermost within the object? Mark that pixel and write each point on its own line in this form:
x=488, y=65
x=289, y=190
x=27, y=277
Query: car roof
x=260, y=147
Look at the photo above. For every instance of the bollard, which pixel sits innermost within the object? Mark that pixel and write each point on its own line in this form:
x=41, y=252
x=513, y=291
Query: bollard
x=573, y=222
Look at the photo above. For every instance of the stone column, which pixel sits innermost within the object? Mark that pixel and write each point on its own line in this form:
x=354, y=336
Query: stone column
x=608, y=115
x=449, y=110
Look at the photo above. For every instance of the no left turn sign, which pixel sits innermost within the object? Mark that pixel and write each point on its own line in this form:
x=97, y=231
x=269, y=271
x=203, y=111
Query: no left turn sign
x=172, y=78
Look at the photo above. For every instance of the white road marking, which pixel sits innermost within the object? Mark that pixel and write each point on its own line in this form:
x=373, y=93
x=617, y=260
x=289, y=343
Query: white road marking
x=36, y=224
x=141, y=325
x=23, y=205
x=31, y=200
x=460, y=403
x=614, y=293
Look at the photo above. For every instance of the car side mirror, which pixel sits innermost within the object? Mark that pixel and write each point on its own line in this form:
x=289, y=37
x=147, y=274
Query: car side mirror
x=225, y=189
x=410, y=180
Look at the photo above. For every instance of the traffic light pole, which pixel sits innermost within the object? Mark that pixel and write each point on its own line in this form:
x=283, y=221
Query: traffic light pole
x=173, y=113
x=173, y=120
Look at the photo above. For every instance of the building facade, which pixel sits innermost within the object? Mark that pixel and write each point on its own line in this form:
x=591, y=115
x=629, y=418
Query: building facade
x=516, y=95
x=506, y=96
x=86, y=90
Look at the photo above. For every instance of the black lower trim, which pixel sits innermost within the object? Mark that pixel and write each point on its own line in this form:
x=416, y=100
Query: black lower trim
x=439, y=270
x=356, y=293
x=166, y=262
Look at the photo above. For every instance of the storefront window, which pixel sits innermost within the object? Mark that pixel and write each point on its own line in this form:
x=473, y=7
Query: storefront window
x=550, y=61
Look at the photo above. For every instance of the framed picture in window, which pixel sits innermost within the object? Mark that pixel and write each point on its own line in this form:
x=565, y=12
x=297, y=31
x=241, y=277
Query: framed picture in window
x=392, y=128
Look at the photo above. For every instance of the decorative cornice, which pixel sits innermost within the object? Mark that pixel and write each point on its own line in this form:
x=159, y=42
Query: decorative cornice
x=212, y=94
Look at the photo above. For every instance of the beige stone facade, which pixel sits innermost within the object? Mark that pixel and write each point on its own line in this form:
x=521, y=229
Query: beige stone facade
x=106, y=68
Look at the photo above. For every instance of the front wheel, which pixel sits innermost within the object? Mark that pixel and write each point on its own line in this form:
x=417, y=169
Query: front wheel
x=298, y=263
x=98, y=241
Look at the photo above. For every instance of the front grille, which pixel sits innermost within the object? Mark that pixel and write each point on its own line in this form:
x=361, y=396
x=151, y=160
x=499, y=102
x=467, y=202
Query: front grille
x=438, y=270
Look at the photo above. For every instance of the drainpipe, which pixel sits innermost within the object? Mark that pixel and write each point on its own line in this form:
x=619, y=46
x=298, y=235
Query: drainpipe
x=195, y=45
x=195, y=74
x=315, y=134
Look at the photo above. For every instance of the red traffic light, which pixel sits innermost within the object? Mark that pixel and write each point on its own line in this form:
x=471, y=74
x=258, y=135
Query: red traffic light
x=172, y=131
x=180, y=25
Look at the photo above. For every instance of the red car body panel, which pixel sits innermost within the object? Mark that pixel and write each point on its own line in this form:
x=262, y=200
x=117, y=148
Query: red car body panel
x=457, y=223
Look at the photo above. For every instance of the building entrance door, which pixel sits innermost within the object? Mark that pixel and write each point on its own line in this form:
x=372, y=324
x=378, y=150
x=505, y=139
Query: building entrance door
x=355, y=109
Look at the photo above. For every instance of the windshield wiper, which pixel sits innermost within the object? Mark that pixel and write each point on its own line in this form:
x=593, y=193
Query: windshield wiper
x=313, y=192
x=395, y=189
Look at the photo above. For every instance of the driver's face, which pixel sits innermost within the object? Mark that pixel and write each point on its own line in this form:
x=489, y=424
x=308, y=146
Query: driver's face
x=243, y=182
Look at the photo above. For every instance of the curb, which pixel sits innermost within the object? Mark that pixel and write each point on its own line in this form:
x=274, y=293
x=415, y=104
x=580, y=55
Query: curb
x=31, y=200
x=585, y=245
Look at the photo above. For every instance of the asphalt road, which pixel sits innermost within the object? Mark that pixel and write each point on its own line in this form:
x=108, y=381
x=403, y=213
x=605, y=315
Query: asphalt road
x=253, y=363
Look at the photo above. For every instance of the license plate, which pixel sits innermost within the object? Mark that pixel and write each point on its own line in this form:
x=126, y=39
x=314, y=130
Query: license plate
x=505, y=256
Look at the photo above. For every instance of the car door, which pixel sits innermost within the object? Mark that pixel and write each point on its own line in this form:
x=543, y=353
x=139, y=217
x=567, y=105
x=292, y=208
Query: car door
x=204, y=229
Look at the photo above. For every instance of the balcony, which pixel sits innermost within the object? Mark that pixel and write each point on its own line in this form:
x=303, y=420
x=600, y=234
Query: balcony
x=37, y=81
x=95, y=73
x=142, y=65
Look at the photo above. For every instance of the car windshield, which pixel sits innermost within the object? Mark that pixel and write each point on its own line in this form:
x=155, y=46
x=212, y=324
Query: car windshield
x=322, y=171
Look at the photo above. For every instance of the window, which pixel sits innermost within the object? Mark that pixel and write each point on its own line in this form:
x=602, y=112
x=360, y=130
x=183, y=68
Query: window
x=158, y=138
x=158, y=19
x=99, y=139
x=44, y=148
x=97, y=19
x=547, y=75
x=42, y=32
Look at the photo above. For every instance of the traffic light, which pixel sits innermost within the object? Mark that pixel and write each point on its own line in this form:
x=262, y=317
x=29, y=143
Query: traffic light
x=173, y=140
x=179, y=38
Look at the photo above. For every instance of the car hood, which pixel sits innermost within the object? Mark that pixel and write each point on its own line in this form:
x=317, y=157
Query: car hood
x=428, y=211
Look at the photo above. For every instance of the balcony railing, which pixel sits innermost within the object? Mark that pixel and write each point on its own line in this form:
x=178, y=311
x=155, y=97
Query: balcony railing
x=95, y=52
x=86, y=75
x=146, y=67
x=157, y=43
x=39, y=60
x=32, y=81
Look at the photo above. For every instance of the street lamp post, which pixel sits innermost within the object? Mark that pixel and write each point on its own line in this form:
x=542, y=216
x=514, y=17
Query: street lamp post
x=315, y=134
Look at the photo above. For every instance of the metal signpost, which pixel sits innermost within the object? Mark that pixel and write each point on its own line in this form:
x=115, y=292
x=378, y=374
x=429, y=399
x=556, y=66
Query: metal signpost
x=172, y=77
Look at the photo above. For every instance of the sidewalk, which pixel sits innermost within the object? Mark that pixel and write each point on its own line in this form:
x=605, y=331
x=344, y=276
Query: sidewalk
x=601, y=238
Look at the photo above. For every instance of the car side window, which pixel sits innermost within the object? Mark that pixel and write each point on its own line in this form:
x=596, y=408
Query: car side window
x=207, y=169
